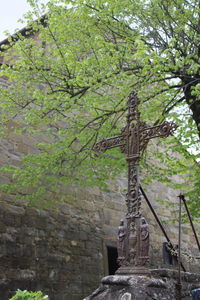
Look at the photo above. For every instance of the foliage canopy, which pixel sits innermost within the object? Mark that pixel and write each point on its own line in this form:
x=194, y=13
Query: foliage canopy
x=71, y=84
x=26, y=295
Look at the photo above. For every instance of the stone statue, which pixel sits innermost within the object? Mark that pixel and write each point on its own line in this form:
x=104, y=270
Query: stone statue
x=144, y=241
x=121, y=247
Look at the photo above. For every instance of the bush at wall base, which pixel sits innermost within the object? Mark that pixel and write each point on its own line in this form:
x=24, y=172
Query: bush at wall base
x=25, y=295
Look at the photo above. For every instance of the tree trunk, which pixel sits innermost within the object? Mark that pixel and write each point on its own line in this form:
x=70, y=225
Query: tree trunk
x=193, y=102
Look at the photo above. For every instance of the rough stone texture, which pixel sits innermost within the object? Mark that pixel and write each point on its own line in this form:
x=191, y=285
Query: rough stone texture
x=64, y=252
x=161, y=285
x=49, y=251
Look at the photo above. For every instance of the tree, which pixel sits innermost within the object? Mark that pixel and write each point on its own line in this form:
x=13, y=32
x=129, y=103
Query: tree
x=72, y=82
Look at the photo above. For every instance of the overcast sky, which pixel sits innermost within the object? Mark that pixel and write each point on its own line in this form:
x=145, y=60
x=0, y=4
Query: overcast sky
x=11, y=11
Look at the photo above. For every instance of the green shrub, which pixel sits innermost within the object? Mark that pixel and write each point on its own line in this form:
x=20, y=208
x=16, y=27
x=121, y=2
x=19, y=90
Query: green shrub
x=25, y=295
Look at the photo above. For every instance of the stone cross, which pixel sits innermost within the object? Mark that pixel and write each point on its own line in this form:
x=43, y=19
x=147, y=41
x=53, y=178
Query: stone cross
x=133, y=237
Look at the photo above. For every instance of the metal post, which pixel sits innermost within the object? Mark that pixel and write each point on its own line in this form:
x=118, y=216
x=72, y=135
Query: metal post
x=160, y=224
x=178, y=286
x=191, y=223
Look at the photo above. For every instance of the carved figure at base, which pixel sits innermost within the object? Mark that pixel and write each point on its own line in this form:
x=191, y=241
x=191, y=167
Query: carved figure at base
x=121, y=247
x=144, y=242
x=132, y=241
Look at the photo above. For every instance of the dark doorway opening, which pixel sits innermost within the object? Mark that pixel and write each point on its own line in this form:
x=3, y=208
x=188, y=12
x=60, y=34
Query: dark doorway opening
x=112, y=260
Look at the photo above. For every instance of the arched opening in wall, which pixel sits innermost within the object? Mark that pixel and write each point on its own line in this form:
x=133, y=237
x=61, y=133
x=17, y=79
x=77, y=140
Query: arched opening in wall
x=112, y=260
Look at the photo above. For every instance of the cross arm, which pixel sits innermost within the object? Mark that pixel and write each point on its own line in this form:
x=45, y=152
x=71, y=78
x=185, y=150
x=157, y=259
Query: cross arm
x=109, y=143
x=163, y=130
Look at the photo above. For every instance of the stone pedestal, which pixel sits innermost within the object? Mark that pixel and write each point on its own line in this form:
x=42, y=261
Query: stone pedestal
x=133, y=271
x=162, y=285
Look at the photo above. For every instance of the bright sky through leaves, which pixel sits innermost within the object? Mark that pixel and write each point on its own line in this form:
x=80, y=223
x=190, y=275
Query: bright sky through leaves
x=11, y=11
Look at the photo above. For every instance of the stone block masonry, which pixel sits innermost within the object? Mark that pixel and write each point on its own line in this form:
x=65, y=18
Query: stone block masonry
x=64, y=252
x=48, y=251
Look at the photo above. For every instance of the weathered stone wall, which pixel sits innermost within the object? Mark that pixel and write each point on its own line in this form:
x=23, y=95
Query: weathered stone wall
x=64, y=252
x=59, y=253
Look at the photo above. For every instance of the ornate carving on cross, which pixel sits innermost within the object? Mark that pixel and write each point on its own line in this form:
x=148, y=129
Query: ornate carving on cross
x=133, y=244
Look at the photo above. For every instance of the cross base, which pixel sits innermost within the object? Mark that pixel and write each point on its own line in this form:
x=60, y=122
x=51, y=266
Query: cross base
x=133, y=270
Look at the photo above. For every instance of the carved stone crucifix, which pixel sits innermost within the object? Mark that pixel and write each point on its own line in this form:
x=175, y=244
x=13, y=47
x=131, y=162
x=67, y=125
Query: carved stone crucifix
x=133, y=238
